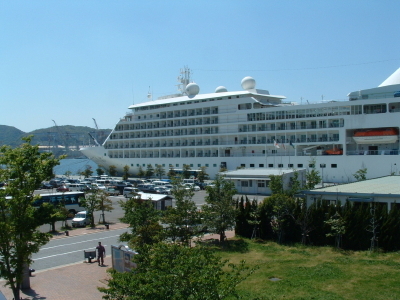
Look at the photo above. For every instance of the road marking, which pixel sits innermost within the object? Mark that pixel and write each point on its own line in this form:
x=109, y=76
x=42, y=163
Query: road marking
x=111, y=236
x=35, y=259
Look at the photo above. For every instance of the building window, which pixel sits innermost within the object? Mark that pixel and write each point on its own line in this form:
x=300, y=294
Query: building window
x=280, y=165
x=191, y=165
x=163, y=165
x=243, y=165
x=198, y=165
x=299, y=165
x=333, y=165
x=261, y=183
x=144, y=165
x=251, y=165
x=214, y=165
x=261, y=165
x=137, y=165
x=131, y=165
x=290, y=165
x=244, y=183
x=270, y=165
x=207, y=165
x=311, y=166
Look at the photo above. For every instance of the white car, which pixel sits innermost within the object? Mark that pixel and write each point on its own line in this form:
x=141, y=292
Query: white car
x=192, y=186
x=82, y=218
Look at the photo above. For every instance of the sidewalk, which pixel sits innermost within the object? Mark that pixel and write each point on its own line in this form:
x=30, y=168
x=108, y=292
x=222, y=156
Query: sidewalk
x=78, y=281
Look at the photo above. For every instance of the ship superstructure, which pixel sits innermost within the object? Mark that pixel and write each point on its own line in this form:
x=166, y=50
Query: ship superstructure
x=254, y=129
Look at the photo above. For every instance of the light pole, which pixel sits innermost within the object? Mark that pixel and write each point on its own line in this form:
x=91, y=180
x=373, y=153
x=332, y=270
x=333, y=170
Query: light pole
x=322, y=166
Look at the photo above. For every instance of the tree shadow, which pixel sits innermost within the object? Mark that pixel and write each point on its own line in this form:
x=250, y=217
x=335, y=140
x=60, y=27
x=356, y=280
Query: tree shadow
x=233, y=245
x=31, y=293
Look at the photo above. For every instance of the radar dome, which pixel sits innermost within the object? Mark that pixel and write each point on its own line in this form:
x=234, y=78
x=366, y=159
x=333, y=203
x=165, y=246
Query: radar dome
x=221, y=89
x=192, y=89
x=248, y=83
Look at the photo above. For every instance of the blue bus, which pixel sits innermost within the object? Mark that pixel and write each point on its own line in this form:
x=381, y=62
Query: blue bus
x=71, y=200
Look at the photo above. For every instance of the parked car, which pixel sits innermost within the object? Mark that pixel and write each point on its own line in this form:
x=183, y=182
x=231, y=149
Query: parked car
x=82, y=218
x=161, y=190
x=63, y=188
x=46, y=186
x=196, y=188
x=112, y=192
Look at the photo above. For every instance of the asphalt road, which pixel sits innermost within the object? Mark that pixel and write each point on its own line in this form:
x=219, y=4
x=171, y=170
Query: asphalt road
x=69, y=250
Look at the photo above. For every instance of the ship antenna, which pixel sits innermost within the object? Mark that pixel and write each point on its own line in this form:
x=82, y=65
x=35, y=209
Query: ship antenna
x=184, y=79
x=149, y=94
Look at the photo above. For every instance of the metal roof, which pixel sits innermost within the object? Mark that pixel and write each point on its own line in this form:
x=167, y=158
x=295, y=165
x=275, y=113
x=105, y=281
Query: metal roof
x=383, y=186
x=201, y=97
x=257, y=172
x=154, y=197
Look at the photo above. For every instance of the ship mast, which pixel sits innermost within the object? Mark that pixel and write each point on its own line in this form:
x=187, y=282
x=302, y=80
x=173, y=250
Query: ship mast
x=184, y=79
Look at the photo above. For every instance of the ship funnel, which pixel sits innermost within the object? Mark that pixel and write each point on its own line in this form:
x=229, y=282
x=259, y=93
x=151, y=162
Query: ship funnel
x=392, y=79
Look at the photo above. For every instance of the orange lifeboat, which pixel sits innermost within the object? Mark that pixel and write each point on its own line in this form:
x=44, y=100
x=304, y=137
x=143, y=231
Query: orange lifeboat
x=334, y=151
x=376, y=136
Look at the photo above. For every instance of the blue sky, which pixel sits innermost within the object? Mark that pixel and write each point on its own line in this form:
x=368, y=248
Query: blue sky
x=71, y=61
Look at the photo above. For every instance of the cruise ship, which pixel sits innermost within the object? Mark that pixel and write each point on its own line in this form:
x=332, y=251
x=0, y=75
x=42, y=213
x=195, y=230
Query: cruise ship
x=252, y=128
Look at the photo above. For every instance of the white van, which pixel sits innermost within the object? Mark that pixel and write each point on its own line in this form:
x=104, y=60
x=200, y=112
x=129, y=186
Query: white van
x=159, y=183
x=130, y=191
x=76, y=187
x=82, y=218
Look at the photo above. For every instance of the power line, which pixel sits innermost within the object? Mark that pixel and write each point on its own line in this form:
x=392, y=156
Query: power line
x=300, y=69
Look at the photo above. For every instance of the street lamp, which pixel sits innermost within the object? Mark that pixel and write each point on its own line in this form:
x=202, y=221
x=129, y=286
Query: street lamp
x=322, y=166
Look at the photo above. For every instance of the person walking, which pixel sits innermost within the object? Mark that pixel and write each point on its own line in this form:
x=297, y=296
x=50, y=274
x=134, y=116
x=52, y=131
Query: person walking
x=101, y=253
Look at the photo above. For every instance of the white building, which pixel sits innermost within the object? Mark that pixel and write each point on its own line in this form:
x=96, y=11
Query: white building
x=379, y=190
x=256, y=181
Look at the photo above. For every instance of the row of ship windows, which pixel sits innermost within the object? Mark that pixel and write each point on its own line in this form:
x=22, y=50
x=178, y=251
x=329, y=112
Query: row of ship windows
x=333, y=166
x=287, y=114
x=303, y=138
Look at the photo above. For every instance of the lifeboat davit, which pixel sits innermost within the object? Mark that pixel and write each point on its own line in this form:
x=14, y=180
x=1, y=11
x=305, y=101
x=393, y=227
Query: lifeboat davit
x=376, y=136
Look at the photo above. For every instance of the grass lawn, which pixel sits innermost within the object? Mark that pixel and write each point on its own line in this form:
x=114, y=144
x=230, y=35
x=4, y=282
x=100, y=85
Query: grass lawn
x=315, y=272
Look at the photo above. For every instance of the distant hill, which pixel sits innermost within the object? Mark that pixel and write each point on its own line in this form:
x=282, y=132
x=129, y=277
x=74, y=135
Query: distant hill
x=64, y=139
x=10, y=135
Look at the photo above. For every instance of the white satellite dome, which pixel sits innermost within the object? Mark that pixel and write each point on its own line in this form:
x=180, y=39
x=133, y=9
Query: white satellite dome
x=192, y=89
x=221, y=89
x=248, y=83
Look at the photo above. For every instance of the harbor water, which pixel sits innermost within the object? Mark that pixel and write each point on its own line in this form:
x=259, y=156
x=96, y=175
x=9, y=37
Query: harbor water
x=75, y=166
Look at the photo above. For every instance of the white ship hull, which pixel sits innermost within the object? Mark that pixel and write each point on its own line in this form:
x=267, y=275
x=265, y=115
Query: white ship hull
x=254, y=129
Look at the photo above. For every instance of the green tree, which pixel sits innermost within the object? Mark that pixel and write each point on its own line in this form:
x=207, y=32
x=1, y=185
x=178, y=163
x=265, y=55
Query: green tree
x=338, y=228
x=141, y=172
x=159, y=171
x=149, y=171
x=182, y=220
x=312, y=176
x=186, y=171
x=23, y=168
x=361, y=174
x=171, y=173
x=100, y=171
x=143, y=220
x=174, y=272
x=220, y=211
x=276, y=184
x=91, y=203
x=87, y=172
x=112, y=170
x=104, y=204
x=202, y=175
x=126, y=174
x=67, y=173
x=282, y=205
x=50, y=214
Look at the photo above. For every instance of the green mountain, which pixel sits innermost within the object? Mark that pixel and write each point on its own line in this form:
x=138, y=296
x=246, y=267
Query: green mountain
x=65, y=139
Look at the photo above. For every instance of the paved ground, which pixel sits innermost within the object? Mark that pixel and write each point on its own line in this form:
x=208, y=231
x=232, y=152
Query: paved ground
x=77, y=281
